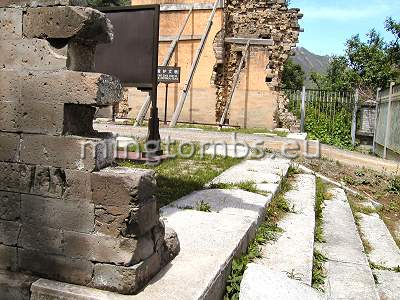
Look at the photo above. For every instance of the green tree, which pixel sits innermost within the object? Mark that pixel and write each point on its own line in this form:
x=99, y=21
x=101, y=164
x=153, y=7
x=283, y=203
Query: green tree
x=105, y=3
x=293, y=76
x=366, y=65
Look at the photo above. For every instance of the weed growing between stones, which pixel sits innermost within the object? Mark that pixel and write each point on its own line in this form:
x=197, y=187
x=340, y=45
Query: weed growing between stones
x=394, y=185
x=374, y=266
x=203, y=206
x=248, y=186
x=268, y=231
x=319, y=273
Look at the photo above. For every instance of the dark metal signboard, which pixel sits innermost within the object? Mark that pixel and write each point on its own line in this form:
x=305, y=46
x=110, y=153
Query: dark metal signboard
x=133, y=55
x=169, y=74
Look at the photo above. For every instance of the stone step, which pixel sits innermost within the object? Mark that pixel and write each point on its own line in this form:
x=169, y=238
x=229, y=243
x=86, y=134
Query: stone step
x=388, y=284
x=209, y=241
x=348, y=273
x=384, y=251
x=293, y=252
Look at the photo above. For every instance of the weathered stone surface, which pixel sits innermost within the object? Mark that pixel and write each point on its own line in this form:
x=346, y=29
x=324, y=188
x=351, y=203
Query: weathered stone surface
x=33, y=54
x=9, y=146
x=78, y=153
x=8, y=258
x=77, y=186
x=261, y=283
x=15, y=177
x=44, y=239
x=48, y=181
x=122, y=186
x=9, y=232
x=40, y=3
x=171, y=246
x=11, y=23
x=57, y=214
x=10, y=204
x=61, y=268
x=15, y=286
x=128, y=221
x=293, y=251
x=348, y=273
x=80, y=23
x=10, y=91
x=81, y=57
x=388, y=284
x=126, y=280
x=105, y=249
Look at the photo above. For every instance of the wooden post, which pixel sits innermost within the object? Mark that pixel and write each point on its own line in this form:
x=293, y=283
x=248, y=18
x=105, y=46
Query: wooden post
x=303, y=110
x=388, y=120
x=166, y=104
x=145, y=107
x=354, y=122
x=195, y=63
x=235, y=83
x=376, y=118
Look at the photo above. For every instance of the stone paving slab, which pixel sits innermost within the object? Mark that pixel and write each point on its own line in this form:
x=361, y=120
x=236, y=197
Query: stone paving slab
x=260, y=283
x=348, y=273
x=388, y=284
x=384, y=250
x=258, y=171
x=293, y=252
x=232, y=202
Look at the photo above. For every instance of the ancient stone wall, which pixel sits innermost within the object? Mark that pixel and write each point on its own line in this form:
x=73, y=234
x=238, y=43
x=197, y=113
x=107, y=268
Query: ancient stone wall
x=65, y=212
x=269, y=19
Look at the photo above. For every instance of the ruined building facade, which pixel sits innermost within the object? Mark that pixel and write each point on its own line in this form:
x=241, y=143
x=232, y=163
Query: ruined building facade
x=255, y=100
x=66, y=213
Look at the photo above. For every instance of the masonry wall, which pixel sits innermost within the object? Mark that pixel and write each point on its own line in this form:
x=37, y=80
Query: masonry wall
x=65, y=212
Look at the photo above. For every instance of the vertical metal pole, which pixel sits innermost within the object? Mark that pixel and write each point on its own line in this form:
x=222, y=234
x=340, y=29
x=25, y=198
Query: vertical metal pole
x=354, y=122
x=195, y=63
x=146, y=105
x=166, y=104
x=376, y=118
x=388, y=120
x=303, y=110
x=235, y=83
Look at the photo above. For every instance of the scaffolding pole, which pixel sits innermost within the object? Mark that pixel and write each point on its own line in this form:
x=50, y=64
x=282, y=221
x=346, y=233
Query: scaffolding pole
x=195, y=63
x=146, y=105
x=235, y=83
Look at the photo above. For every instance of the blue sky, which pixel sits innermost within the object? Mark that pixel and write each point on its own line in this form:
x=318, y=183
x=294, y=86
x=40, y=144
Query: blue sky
x=329, y=23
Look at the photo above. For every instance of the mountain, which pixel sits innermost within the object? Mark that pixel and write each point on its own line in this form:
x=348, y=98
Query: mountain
x=310, y=62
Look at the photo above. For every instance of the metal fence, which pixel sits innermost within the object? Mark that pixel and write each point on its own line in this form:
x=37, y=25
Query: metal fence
x=331, y=111
x=387, y=133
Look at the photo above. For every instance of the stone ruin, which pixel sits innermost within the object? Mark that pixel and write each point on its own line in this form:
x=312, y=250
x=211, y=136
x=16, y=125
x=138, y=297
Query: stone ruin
x=63, y=215
x=268, y=19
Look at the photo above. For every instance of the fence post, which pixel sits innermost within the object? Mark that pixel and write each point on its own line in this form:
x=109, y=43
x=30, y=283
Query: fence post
x=388, y=120
x=354, y=122
x=378, y=100
x=303, y=110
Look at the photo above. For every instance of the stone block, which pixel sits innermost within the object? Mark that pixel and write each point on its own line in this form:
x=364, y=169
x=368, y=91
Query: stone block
x=8, y=258
x=81, y=57
x=127, y=221
x=44, y=239
x=77, y=271
x=66, y=22
x=126, y=280
x=40, y=3
x=57, y=214
x=10, y=91
x=15, y=286
x=122, y=186
x=9, y=146
x=11, y=23
x=100, y=248
x=15, y=177
x=10, y=204
x=9, y=232
x=77, y=186
x=49, y=181
x=67, y=152
x=31, y=54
